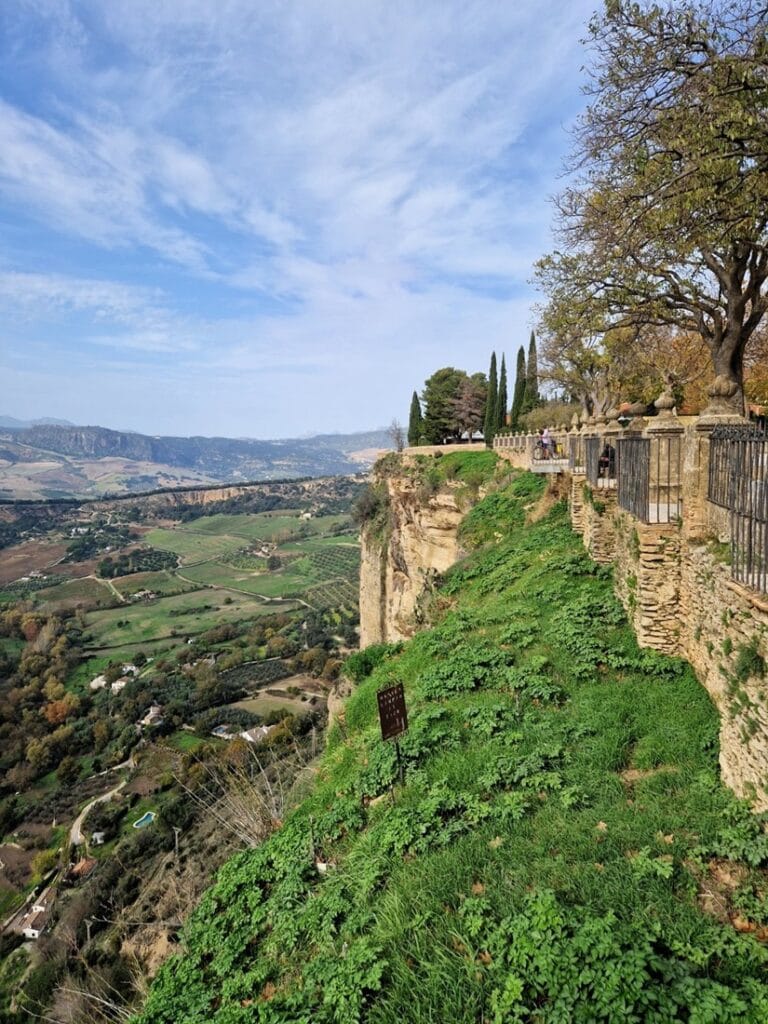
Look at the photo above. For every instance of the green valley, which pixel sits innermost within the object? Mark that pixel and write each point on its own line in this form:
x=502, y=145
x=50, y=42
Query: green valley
x=562, y=849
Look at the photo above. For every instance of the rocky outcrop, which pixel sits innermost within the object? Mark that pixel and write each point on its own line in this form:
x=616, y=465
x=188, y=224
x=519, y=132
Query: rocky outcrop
x=401, y=559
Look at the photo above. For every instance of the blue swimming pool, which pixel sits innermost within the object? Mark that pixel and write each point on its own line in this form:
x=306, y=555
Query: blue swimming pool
x=146, y=819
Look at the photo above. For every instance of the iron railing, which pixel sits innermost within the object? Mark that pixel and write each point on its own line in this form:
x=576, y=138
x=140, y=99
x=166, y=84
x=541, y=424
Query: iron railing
x=600, y=461
x=592, y=458
x=738, y=481
x=650, y=478
x=634, y=476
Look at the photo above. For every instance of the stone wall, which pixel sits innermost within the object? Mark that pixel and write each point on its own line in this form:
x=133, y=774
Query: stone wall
x=598, y=530
x=674, y=581
x=576, y=500
x=647, y=560
x=724, y=636
x=518, y=459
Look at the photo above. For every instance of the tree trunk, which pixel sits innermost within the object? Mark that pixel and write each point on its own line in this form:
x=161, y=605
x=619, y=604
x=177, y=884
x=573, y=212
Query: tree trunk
x=726, y=393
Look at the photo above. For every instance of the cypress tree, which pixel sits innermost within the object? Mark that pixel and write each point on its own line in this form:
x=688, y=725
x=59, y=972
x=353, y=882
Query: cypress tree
x=532, y=377
x=489, y=421
x=415, y=422
x=518, y=398
x=502, y=399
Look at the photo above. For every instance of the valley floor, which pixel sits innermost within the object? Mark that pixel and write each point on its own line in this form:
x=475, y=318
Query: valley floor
x=562, y=850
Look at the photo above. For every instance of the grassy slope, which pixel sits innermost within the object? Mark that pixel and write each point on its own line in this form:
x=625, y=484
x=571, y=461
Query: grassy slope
x=519, y=876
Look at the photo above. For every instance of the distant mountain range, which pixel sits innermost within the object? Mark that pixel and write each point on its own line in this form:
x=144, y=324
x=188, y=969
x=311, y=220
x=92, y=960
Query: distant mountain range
x=11, y=423
x=49, y=458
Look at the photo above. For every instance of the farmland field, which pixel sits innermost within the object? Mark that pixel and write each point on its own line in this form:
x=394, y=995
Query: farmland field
x=193, y=547
x=182, y=615
x=163, y=582
x=88, y=591
x=260, y=526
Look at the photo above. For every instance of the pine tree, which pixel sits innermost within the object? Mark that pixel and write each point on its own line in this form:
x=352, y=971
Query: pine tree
x=532, y=399
x=518, y=398
x=489, y=421
x=502, y=398
x=415, y=422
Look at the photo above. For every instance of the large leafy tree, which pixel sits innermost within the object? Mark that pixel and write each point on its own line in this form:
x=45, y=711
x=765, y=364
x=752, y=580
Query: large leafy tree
x=518, y=396
x=489, y=423
x=665, y=220
x=439, y=395
x=415, y=421
x=470, y=403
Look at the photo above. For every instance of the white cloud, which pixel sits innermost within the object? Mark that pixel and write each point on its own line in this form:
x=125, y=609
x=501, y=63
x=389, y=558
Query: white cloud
x=328, y=183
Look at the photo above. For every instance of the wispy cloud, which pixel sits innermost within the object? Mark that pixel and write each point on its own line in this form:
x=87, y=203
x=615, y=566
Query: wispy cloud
x=317, y=186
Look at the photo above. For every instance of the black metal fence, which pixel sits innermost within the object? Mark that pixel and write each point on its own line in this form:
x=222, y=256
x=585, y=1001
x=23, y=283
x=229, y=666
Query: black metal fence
x=634, y=476
x=600, y=461
x=650, y=478
x=738, y=481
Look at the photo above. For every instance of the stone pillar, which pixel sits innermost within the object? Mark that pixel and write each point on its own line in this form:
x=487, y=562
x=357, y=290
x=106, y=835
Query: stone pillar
x=665, y=485
x=702, y=519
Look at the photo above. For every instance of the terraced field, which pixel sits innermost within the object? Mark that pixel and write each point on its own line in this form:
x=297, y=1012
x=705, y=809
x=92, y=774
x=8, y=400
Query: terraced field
x=193, y=547
x=222, y=579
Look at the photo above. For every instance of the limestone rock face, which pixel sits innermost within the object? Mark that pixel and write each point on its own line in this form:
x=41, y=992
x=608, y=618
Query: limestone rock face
x=399, y=564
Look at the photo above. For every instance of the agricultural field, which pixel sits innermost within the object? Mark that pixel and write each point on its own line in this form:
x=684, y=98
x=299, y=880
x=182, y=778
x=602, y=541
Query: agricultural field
x=327, y=565
x=21, y=559
x=261, y=526
x=165, y=583
x=333, y=594
x=88, y=592
x=193, y=547
x=171, y=617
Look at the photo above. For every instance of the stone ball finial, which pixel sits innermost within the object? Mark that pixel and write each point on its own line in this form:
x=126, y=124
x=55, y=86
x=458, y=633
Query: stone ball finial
x=665, y=403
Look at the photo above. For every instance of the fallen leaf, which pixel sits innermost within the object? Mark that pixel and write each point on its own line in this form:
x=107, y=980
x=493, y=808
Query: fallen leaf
x=477, y=888
x=741, y=924
x=601, y=826
x=496, y=842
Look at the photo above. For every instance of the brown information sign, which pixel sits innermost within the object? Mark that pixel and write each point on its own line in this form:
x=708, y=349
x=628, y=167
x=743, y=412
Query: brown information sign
x=392, y=714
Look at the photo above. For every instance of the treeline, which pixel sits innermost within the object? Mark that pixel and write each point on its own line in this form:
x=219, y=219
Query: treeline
x=141, y=560
x=455, y=404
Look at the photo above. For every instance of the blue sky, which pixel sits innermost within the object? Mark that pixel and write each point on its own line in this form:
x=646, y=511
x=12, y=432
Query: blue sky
x=266, y=219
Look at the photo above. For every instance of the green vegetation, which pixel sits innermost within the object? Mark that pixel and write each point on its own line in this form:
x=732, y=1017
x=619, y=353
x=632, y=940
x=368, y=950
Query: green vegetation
x=184, y=614
x=193, y=547
x=415, y=421
x=518, y=395
x=163, y=583
x=139, y=560
x=86, y=591
x=561, y=811
x=489, y=421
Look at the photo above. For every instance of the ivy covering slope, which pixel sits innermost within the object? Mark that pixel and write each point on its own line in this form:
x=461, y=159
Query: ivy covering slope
x=561, y=815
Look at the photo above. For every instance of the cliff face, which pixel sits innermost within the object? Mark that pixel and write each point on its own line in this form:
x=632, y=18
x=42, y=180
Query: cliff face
x=399, y=563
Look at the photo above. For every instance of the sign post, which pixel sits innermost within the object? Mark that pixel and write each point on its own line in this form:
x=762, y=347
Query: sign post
x=393, y=719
